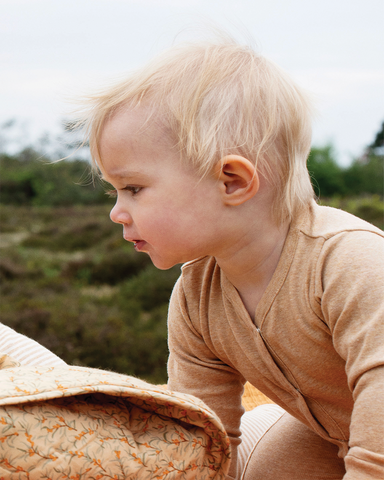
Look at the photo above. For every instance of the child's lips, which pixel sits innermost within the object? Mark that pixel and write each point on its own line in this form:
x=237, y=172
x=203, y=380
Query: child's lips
x=138, y=244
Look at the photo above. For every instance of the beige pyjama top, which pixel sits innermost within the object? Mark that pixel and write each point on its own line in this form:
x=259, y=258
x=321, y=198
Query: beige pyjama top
x=315, y=347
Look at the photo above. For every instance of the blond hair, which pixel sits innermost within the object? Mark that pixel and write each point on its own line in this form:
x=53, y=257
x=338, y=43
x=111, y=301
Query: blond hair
x=220, y=98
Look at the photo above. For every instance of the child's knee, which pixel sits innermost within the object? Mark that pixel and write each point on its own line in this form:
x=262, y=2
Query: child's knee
x=289, y=450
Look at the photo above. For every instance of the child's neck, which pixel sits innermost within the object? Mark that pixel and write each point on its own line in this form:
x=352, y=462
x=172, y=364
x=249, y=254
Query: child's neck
x=251, y=265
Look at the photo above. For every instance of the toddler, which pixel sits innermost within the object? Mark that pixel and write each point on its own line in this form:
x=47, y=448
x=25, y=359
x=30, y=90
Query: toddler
x=206, y=149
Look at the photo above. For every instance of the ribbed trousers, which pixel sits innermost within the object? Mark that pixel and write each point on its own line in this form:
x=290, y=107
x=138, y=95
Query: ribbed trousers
x=276, y=446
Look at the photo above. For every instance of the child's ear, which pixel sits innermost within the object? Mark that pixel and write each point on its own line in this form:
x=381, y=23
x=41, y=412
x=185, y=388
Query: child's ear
x=238, y=179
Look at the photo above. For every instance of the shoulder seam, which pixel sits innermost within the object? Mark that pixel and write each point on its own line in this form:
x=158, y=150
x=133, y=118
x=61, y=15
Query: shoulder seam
x=347, y=230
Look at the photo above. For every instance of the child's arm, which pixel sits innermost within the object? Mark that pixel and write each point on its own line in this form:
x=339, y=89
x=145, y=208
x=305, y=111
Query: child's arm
x=195, y=369
x=352, y=302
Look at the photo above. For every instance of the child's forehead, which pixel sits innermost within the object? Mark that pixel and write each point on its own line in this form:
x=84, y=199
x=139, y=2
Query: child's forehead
x=137, y=139
x=132, y=133
x=135, y=126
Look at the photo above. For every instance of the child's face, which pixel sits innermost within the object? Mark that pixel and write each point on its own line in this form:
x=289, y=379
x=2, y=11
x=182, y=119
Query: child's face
x=165, y=209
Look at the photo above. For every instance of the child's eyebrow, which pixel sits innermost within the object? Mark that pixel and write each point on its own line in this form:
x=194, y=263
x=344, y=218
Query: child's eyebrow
x=125, y=175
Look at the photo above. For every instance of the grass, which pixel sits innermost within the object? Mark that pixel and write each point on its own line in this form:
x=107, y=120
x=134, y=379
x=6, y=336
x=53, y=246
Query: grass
x=70, y=281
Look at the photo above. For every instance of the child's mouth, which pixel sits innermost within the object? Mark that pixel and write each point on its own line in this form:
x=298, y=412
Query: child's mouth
x=138, y=244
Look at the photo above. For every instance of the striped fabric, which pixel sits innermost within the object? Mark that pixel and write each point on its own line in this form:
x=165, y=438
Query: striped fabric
x=25, y=350
x=254, y=424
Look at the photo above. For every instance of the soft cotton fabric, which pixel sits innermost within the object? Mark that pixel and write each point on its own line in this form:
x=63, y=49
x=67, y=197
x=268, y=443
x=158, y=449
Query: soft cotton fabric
x=26, y=350
x=315, y=347
x=289, y=450
x=254, y=426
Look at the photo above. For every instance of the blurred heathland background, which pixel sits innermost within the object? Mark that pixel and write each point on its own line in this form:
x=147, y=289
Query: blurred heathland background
x=68, y=279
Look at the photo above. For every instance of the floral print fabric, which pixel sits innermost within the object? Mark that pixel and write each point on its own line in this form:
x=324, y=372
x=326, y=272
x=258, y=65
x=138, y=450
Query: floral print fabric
x=80, y=423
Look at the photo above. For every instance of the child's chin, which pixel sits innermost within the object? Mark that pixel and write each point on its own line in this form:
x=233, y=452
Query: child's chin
x=162, y=264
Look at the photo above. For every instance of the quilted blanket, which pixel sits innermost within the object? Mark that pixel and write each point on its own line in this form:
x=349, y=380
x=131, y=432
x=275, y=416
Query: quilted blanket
x=80, y=423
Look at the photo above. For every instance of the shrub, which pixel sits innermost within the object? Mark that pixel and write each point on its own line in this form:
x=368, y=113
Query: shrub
x=151, y=288
x=369, y=208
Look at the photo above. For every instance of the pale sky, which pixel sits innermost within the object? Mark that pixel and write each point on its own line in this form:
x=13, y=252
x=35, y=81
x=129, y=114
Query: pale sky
x=54, y=49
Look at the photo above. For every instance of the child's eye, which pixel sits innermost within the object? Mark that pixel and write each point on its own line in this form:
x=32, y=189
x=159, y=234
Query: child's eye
x=133, y=189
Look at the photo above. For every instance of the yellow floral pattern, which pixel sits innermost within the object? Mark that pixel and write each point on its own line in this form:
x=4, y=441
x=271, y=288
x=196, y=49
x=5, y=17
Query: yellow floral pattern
x=80, y=423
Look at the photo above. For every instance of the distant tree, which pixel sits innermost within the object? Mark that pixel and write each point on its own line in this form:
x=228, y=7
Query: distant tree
x=363, y=177
x=31, y=178
x=326, y=174
x=366, y=173
x=379, y=139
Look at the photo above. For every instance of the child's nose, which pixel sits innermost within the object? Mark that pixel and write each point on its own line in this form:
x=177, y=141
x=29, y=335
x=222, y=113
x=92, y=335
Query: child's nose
x=118, y=215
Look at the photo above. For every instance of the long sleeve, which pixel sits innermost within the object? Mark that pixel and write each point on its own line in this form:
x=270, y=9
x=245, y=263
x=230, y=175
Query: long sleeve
x=195, y=369
x=315, y=347
x=352, y=302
